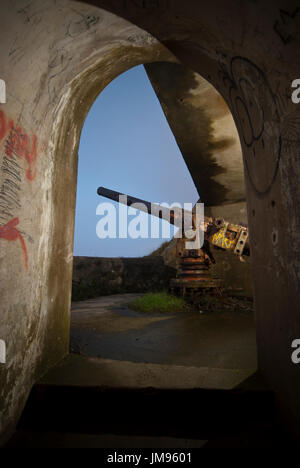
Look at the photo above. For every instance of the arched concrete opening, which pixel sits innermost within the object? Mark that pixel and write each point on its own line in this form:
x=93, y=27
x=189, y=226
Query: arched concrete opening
x=206, y=136
x=47, y=102
x=103, y=327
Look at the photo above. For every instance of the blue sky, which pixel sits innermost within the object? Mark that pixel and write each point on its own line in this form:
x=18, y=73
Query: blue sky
x=126, y=145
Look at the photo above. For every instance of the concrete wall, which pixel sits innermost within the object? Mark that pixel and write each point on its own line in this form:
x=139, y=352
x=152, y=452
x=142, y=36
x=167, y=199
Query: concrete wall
x=56, y=57
x=94, y=277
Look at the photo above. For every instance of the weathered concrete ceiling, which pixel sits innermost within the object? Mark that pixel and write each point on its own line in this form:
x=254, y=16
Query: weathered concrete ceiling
x=211, y=29
x=204, y=130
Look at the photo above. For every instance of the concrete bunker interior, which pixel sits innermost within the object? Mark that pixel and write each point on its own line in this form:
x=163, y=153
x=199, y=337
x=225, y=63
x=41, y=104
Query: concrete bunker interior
x=248, y=76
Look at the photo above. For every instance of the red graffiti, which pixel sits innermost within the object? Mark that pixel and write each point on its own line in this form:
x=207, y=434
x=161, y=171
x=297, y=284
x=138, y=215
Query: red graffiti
x=10, y=233
x=18, y=143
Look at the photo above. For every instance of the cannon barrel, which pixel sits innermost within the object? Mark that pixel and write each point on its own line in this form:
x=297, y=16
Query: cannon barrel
x=227, y=236
x=174, y=216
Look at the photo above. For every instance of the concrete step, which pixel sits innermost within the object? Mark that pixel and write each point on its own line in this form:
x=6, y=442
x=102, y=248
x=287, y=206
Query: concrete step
x=102, y=403
x=77, y=370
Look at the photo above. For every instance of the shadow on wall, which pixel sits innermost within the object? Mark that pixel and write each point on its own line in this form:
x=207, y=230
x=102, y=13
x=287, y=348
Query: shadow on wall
x=204, y=129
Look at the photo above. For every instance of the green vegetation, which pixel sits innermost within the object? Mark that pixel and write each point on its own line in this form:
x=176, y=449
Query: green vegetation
x=158, y=302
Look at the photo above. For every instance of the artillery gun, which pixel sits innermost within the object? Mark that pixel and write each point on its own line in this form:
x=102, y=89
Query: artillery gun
x=193, y=276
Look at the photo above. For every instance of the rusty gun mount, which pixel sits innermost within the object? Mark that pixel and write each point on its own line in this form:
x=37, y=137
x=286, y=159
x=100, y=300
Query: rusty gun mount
x=193, y=276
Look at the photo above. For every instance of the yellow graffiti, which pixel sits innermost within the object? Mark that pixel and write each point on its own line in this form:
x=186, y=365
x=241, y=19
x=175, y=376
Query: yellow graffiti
x=220, y=240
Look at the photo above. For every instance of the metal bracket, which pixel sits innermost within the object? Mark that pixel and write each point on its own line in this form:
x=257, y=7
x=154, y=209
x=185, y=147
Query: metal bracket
x=242, y=239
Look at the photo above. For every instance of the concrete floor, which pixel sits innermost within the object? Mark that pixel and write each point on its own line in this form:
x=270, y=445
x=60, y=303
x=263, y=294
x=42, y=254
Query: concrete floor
x=115, y=346
x=202, y=364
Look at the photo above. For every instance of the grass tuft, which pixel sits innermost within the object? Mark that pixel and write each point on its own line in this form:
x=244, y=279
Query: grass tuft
x=158, y=302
